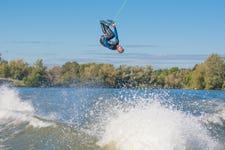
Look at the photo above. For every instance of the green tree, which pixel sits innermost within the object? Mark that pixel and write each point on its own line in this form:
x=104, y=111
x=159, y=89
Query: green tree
x=107, y=75
x=177, y=78
x=70, y=73
x=4, y=69
x=18, y=69
x=215, y=72
x=198, y=77
x=38, y=77
x=91, y=72
x=223, y=87
x=140, y=76
x=122, y=79
x=185, y=75
x=55, y=76
x=159, y=77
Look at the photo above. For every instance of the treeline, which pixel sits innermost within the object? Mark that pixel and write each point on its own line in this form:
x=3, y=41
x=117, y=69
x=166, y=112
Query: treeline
x=208, y=75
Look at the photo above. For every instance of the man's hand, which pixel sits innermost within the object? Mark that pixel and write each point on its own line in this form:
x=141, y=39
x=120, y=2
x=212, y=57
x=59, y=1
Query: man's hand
x=113, y=25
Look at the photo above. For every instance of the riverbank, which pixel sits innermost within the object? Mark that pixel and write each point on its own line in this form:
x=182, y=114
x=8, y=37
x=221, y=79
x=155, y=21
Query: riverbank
x=9, y=81
x=209, y=75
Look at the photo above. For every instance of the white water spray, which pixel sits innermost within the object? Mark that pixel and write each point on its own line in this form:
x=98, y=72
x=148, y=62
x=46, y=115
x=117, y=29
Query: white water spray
x=15, y=111
x=156, y=127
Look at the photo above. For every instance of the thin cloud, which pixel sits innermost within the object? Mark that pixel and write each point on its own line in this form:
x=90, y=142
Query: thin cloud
x=170, y=56
x=141, y=46
x=131, y=46
x=32, y=42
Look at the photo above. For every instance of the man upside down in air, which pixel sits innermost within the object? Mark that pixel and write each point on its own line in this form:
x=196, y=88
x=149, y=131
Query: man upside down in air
x=108, y=35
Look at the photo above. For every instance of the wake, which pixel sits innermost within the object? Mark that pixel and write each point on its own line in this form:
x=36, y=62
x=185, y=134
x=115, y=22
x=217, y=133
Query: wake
x=151, y=125
x=14, y=111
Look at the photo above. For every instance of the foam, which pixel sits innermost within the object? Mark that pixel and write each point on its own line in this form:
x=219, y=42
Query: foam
x=215, y=118
x=154, y=126
x=15, y=111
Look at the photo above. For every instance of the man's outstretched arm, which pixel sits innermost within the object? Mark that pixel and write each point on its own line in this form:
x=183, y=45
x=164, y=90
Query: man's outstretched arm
x=115, y=33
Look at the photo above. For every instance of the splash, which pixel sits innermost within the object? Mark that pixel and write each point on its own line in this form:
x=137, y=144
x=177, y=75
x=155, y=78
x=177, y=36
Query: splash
x=15, y=111
x=217, y=117
x=154, y=126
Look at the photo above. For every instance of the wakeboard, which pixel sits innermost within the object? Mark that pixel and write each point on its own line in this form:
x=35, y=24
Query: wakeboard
x=105, y=23
x=108, y=22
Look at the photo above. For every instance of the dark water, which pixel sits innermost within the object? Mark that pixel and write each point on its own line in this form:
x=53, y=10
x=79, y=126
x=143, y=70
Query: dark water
x=111, y=119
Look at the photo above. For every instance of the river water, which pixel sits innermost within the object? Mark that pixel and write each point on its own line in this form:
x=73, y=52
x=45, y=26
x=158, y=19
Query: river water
x=111, y=119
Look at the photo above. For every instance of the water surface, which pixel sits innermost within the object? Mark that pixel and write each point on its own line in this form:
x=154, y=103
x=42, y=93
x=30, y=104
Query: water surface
x=111, y=119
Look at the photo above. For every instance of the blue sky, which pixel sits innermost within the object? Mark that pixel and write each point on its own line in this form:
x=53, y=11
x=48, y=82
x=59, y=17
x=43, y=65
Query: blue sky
x=163, y=33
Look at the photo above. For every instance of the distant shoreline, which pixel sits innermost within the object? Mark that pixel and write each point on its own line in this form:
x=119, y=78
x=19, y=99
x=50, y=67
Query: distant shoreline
x=209, y=75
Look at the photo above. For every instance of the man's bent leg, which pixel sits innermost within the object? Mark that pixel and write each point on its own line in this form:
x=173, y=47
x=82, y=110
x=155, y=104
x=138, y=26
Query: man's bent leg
x=103, y=28
x=110, y=34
